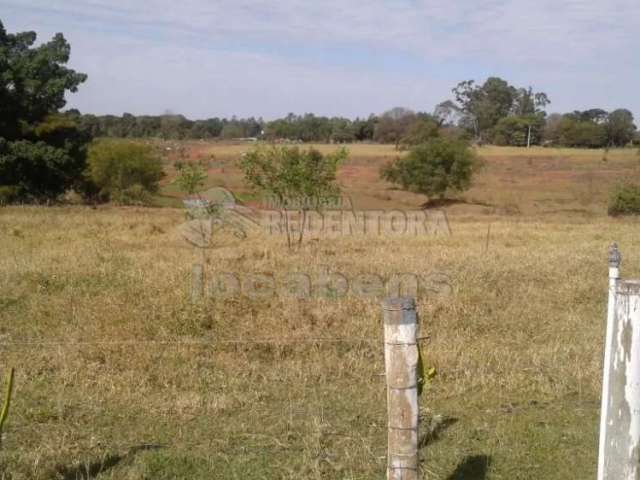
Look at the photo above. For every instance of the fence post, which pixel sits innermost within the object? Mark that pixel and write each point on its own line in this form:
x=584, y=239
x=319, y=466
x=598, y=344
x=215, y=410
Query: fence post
x=619, y=456
x=401, y=361
x=197, y=282
x=614, y=276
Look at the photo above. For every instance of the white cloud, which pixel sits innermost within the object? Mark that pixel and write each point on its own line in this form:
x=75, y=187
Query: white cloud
x=259, y=56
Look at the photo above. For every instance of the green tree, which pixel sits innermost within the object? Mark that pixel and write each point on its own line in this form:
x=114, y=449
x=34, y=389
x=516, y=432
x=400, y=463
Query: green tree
x=41, y=154
x=581, y=133
x=519, y=130
x=393, y=125
x=483, y=106
x=123, y=171
x=191, y=178
x=434, y=168
x=296, y=179
x=420, y=131
x=620, y=127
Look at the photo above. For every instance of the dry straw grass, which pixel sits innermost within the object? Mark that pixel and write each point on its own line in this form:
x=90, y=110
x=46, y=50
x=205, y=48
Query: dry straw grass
x=129, y=362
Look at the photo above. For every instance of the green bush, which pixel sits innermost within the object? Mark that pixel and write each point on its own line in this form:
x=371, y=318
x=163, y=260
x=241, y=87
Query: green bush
x=625, y=200
x=434, y=168
x=124, y=172
x=40, y=170
x=297, y=179
x=8, y=194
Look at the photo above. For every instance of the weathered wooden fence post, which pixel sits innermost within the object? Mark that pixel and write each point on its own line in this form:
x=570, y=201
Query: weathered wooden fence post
x=401, y=362
x=619, y=454
x=197, y=282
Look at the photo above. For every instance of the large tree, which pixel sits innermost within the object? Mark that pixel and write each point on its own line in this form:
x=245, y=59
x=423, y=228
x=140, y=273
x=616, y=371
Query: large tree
x=483, y=106
x=41, y=154
x=620, y=127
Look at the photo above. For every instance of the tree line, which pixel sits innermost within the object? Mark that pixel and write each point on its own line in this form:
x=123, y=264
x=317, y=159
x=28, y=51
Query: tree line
x=494, y=112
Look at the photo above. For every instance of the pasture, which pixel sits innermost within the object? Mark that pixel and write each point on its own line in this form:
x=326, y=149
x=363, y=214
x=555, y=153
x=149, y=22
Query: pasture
x=120, y=376
x=533, y=182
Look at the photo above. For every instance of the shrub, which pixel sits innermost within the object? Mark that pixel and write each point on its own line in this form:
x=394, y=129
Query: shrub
x=124, y=172
x=40, y=171
x=191, y=178
x=293, y=177
x=8, y=194
x=135, y=194
x=625, y=200
x=434, y=168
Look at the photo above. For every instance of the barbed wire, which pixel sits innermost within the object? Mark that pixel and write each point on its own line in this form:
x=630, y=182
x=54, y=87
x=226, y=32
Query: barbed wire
x=203, y=343
x=264, y=341
x=212, y=342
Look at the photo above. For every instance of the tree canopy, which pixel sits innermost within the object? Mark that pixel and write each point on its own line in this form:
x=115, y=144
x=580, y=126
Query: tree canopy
x=42, y=154
x=434, y=168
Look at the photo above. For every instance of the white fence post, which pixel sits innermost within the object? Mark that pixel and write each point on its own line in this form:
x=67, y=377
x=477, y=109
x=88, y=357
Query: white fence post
x=619, y=455
x=401, y=362
x=614, y=275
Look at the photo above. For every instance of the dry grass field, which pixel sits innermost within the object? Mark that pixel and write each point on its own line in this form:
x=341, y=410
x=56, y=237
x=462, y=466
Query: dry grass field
x=533, y=182
x=120, y=376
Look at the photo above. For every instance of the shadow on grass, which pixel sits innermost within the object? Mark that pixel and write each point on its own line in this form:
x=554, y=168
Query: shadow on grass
x=91, y=470
x=434, y=429
x=473, y=467
x=445, y=202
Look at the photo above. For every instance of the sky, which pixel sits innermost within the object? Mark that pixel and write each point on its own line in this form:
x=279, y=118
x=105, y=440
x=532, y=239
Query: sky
x=265, y=58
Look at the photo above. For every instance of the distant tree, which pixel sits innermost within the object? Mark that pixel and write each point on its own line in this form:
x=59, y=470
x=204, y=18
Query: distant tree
x=124, y=172
x=364, y=129
x=434, y=168
x=551, y=131
x=526, y=102
x=294, y=178
x=41, y=154
x=341, y=130
x=447, y=114
x=420, y=131
x=232, y=130
x=620, y=127
x=520, y=130
x=399, y=113
x=581, y=133
x=393, y=125
x=483, y=106
x=596, y=115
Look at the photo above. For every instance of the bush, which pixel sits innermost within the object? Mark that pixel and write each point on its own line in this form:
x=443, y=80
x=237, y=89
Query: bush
x=9, y=194
x=191, y=178
x=124, y=172
x=293, y=177
x=434, y=168
x=40, y=171
x=625, y=200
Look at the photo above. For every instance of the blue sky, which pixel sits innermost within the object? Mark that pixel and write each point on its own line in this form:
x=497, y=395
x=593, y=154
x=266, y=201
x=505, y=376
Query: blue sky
x=206, y=58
